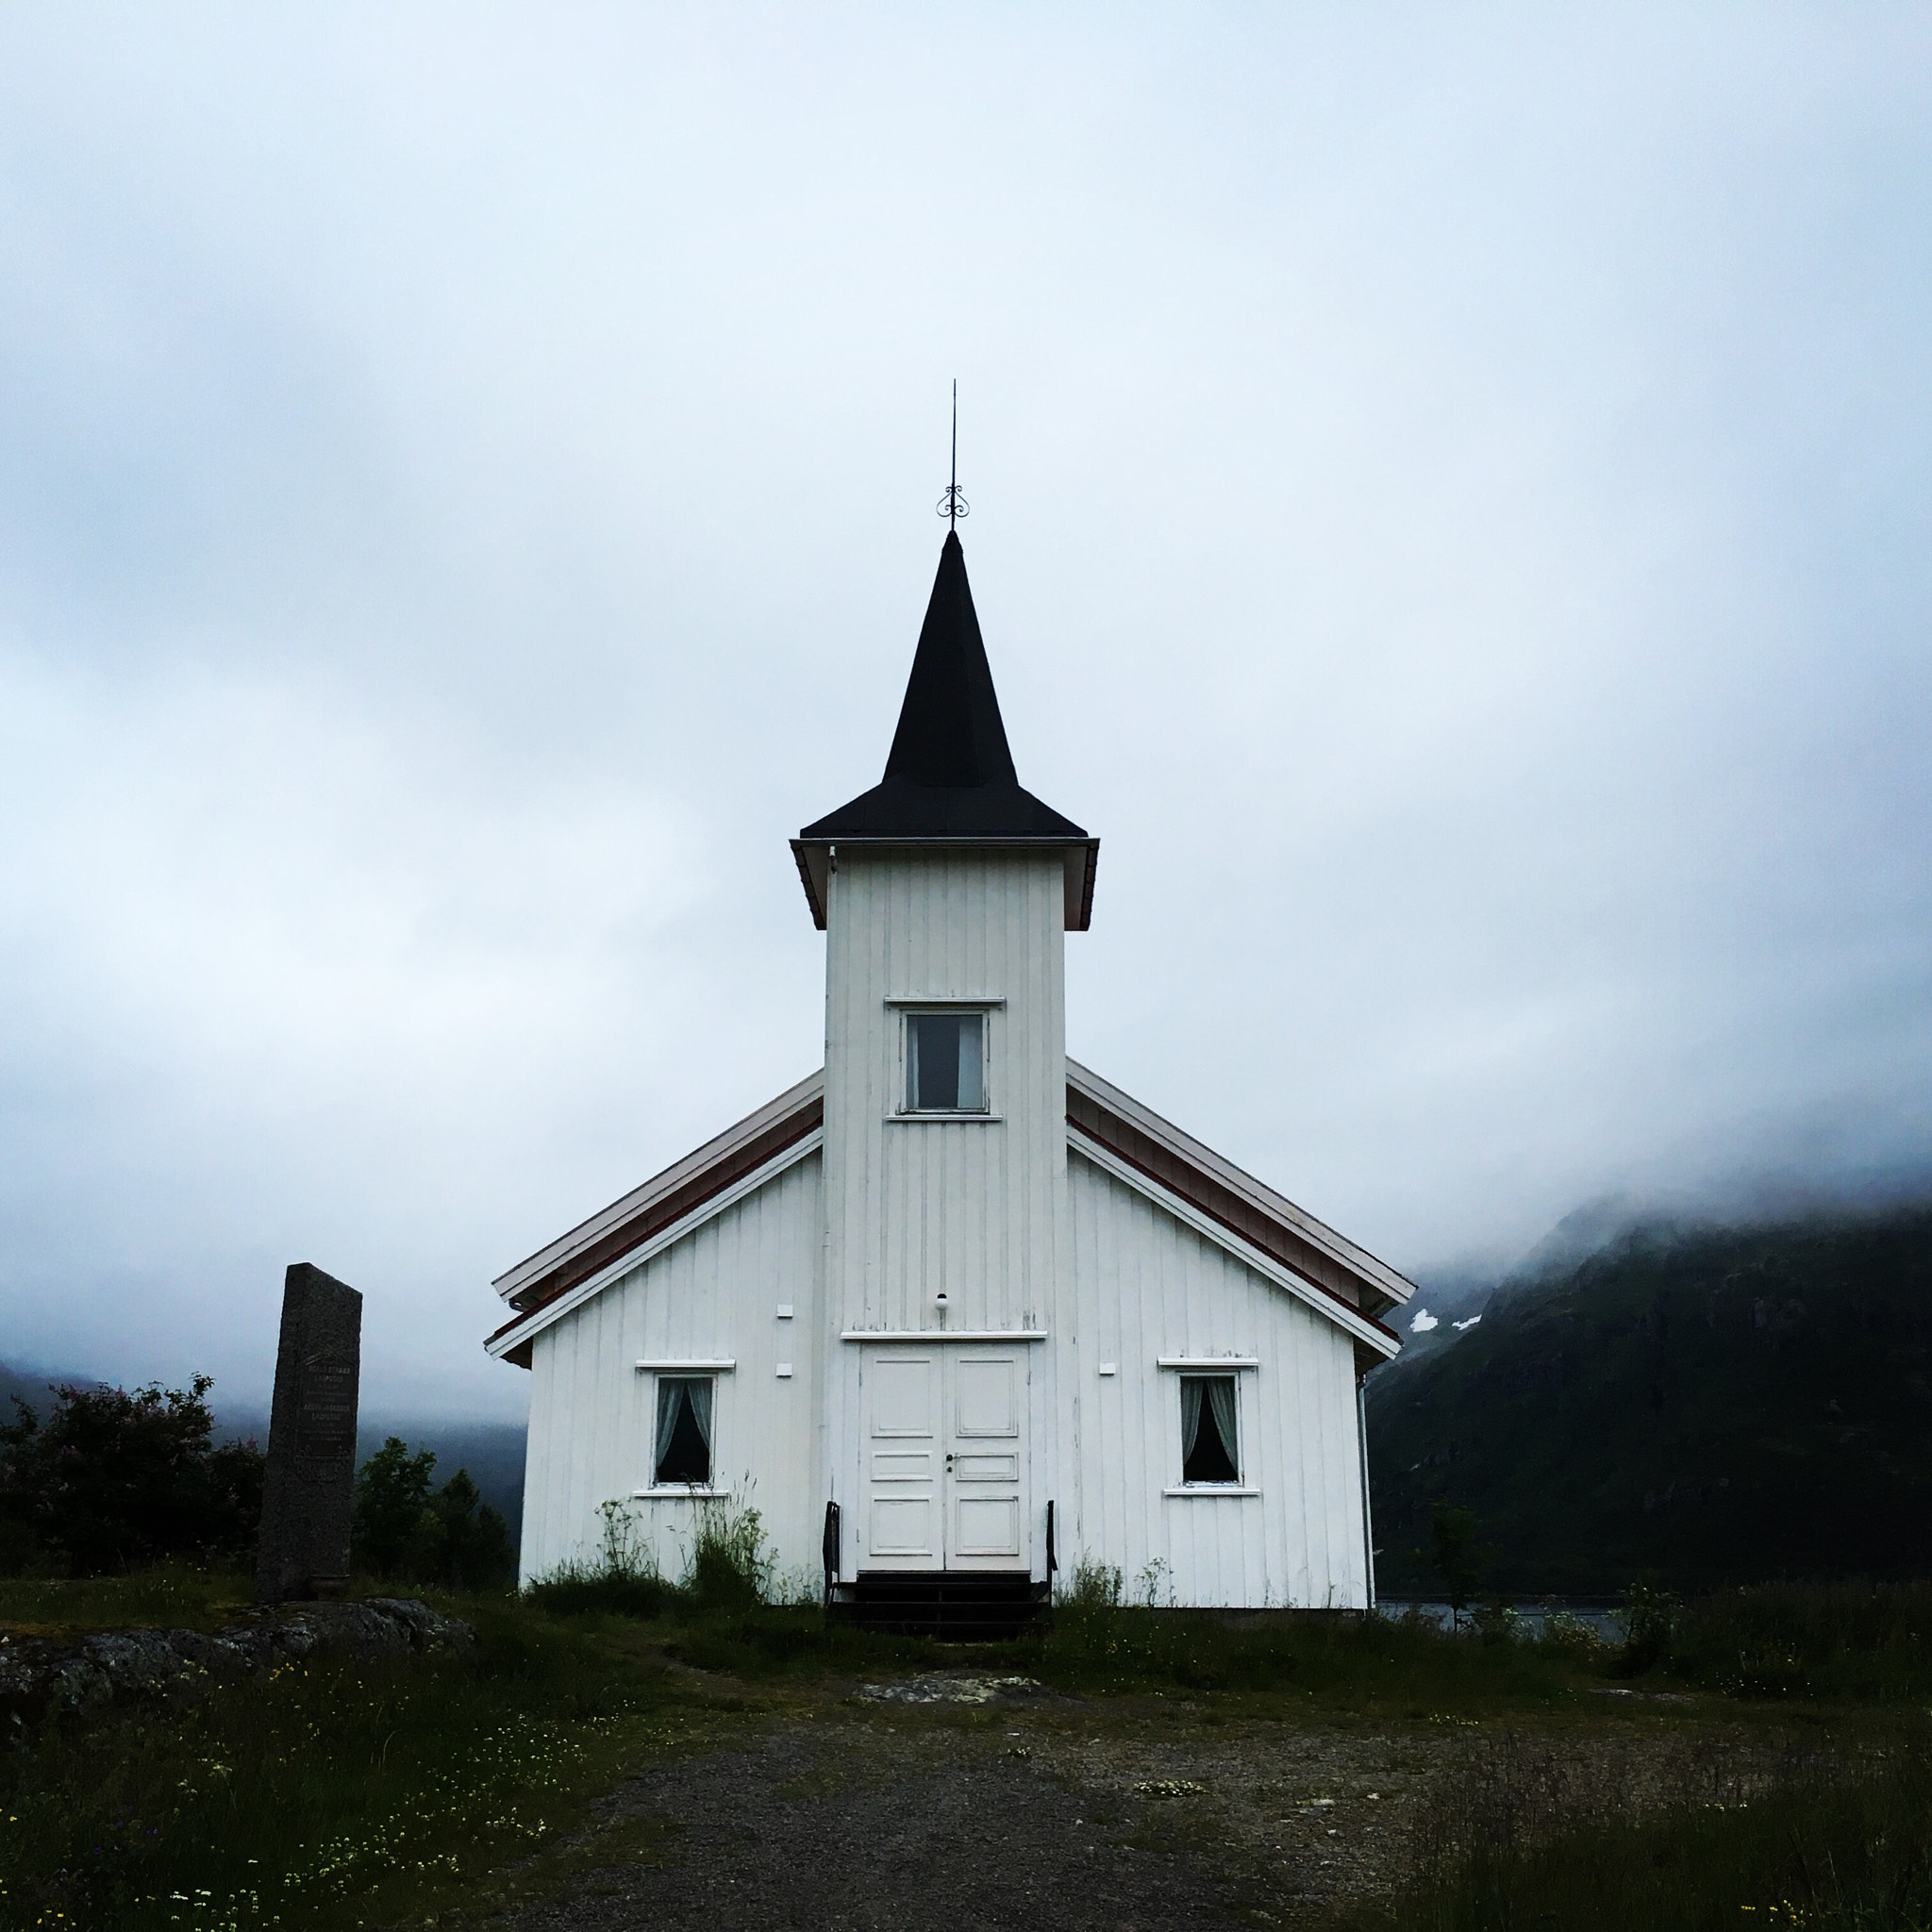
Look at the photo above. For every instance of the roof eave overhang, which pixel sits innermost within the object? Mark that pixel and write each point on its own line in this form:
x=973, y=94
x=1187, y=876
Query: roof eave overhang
x=1080, y=857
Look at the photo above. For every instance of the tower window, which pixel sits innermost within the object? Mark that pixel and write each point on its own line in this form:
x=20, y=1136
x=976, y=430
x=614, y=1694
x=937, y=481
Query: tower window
x=1210, y=1445
x=945, y=1062
x=684, y=1429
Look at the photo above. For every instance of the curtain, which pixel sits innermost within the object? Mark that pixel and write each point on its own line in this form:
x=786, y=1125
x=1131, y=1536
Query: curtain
x=1190, y=1416
x=669, y=1394
x=699, y=1389
x=1220, y=1393
x=972, y=1061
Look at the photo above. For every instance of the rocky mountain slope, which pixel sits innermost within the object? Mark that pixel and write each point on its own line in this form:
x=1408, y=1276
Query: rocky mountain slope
x=1696, y=1408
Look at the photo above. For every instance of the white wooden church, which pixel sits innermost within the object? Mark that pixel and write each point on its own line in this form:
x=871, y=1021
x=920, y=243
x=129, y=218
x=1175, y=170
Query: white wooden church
x=954, y=1312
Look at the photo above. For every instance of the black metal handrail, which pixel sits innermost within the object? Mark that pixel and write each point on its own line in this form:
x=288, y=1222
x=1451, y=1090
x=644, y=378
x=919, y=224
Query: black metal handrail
x=828, y=1549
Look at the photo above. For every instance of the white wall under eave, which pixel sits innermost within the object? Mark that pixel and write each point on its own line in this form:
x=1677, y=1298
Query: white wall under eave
x=1147, y=1286
x=714, y=1295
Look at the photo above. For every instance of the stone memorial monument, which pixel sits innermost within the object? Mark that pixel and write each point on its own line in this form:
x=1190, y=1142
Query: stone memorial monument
x=309, y=1483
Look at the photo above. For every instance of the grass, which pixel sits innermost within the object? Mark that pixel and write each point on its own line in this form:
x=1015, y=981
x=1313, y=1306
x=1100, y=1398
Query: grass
x=1865, y=1643
x=1095, y=1644
x=174, y=1596
x=351, y=1791
x=1512, y=1845
x=1372, y=1666
x=337, y=1790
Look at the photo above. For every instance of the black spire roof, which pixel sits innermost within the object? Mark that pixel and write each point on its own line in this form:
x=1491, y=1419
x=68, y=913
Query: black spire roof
x=949, y=773
x=949, y=777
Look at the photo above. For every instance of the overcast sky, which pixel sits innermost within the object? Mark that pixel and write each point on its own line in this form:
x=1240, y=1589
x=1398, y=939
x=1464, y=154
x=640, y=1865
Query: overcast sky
x=1449, y=508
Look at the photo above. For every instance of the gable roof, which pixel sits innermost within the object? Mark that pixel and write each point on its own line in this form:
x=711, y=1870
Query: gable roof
x=1191, y=1180
x=949, y=775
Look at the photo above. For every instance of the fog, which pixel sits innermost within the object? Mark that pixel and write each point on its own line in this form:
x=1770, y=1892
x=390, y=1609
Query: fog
x=1449, y=510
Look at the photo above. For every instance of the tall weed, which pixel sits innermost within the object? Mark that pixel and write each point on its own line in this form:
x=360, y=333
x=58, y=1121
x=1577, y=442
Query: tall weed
x=1869, y=1642
x=1517, y=1836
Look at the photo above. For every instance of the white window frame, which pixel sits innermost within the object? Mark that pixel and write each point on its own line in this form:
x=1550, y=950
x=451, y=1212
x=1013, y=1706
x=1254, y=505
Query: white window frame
x=909, y=1009
x=1239, y=1367
x=666, y=1370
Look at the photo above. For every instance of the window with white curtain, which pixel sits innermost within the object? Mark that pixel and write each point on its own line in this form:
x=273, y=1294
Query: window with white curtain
x=945, y=1062
x=685, y=1411
x=1211, y=1437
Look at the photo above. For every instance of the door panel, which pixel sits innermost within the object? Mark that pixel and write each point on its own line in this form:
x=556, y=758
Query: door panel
x=904, y=1395
x=905, y=1517
x=986, y=1395
x=986, y=1462
x=903, y=1526
x=986, y=1531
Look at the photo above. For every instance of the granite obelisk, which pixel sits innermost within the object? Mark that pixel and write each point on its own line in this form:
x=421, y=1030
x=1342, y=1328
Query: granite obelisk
x=309, y=1483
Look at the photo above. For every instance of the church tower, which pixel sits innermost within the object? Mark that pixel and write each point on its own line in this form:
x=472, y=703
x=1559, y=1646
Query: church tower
x=945, y=893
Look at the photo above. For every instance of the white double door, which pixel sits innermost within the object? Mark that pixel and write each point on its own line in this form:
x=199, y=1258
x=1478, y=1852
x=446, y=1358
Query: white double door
x=945, y=1457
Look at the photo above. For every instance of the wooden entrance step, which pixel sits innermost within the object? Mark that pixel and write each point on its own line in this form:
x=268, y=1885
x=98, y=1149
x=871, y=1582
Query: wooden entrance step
x=963, y=1606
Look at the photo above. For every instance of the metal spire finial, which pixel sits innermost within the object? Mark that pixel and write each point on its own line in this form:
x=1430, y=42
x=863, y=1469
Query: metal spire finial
x=952, y=506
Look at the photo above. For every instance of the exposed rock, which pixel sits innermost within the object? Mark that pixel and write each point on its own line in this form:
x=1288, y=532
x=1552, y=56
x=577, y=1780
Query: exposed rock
x=175, y=1667
x=949, y=1689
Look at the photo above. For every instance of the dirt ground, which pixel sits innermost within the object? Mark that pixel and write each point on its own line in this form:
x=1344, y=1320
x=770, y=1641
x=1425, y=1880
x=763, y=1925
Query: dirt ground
x=1015, y=1809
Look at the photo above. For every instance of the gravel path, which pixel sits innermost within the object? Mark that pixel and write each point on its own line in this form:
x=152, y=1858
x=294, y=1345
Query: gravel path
x=884, y=1831
x=849, y=1816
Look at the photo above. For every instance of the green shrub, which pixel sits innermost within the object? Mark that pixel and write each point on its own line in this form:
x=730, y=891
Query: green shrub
x=114, y=1480
x=1496, y=1621
x=621, y=1581
x=729, y=1568
x=1573, y=1640
x=1650, y=1628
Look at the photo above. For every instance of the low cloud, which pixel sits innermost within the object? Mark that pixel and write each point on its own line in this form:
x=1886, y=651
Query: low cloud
x=1451, y=517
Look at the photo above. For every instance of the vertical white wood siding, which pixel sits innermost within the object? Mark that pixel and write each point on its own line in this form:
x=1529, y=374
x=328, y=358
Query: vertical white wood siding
x=967, y=1206
x=916, y=1206
x=1145, y=1286
x=713, y=1295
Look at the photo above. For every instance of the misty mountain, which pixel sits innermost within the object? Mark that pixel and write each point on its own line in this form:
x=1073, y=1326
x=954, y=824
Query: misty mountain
x=1693, y=1406
x=32, y=1387
x=1447, y=1305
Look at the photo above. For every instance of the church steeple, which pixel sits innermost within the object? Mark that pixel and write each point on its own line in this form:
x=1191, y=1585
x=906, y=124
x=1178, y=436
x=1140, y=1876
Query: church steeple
x=949, y=775
x=950, y=735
